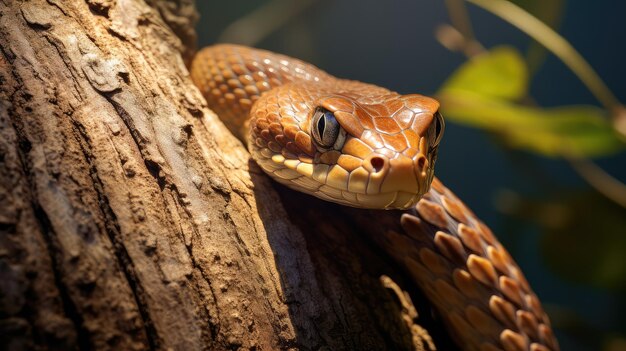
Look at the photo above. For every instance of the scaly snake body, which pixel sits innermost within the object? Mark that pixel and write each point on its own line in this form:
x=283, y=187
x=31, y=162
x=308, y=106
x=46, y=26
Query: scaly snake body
x=364, y=146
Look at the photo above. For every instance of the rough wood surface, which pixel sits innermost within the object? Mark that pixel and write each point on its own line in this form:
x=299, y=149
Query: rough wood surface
x=131, y=219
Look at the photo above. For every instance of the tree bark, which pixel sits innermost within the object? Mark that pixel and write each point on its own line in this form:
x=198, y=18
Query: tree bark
x=131, y=219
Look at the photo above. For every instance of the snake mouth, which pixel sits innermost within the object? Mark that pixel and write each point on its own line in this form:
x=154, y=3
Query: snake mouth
x=378, y=183
x=396, y=200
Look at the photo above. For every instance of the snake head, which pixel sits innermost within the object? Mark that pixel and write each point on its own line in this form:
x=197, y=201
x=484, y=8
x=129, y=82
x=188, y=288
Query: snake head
x=374, y=150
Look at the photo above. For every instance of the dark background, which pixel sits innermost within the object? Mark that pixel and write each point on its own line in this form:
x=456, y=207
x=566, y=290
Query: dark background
x=392, y=44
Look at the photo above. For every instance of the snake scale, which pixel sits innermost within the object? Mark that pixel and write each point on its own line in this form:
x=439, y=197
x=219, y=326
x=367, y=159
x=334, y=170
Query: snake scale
x=365, y=146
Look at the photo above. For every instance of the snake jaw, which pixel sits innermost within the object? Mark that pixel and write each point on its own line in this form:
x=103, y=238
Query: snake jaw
x=338, y=177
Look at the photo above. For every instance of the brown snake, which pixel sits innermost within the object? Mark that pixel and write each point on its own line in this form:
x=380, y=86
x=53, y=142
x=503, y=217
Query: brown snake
x=365, y=146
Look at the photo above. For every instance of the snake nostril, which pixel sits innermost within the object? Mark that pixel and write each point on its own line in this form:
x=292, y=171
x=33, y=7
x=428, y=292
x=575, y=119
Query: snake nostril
x=377, y=163
x=421, y=162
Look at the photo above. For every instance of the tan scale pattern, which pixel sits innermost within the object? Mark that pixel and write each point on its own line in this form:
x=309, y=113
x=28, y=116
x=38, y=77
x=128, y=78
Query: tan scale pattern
x=469, y=277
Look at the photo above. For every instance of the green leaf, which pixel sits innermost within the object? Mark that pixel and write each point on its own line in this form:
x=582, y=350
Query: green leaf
x=499, y=73
x=548, y=12
x=567, y=131
x=483, y=93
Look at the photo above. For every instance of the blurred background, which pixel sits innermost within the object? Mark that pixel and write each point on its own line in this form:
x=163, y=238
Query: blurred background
x=528, y=146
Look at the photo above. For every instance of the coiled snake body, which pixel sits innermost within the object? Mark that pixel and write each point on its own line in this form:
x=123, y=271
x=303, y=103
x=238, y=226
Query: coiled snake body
x=364, y=146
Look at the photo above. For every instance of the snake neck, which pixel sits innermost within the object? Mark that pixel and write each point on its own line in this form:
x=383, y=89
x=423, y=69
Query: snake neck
x=232, y=78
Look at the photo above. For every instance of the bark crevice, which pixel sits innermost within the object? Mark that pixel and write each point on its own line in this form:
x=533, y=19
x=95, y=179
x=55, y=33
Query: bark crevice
x=113, y=231
x=69, y=309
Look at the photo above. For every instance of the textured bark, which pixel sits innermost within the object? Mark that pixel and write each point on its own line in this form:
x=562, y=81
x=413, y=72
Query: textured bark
x=131, y=219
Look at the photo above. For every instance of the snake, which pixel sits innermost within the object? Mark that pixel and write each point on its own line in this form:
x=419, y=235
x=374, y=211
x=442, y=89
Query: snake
x=368, y=147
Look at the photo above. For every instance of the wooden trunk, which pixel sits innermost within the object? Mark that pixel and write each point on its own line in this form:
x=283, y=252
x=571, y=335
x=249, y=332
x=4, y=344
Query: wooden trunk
x=131, y=219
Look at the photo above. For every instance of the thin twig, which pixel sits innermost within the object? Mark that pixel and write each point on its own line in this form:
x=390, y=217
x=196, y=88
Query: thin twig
x=460, y=18
x=552, y=41
x=463, y=25
x=599, y=179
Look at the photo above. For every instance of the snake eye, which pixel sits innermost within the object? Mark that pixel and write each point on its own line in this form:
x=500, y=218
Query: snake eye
x=325, y=128
x=439, y=128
